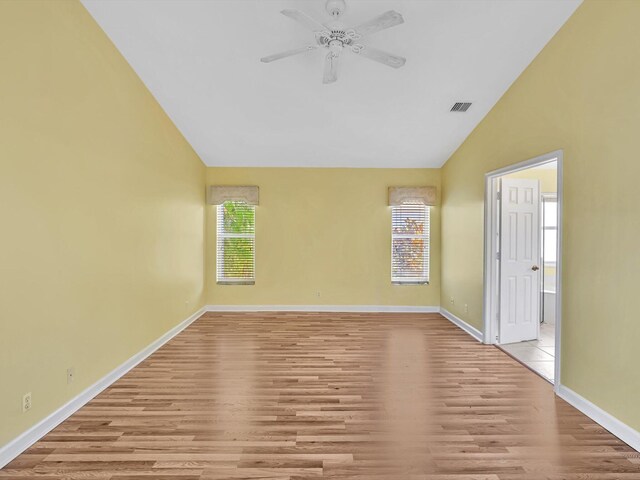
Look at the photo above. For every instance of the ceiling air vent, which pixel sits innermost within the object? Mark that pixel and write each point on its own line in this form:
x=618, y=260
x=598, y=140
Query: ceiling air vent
x=460, y=106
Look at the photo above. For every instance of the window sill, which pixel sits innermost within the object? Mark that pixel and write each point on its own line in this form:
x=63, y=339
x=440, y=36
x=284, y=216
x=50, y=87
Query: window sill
x=410, y=282
x=236, y=282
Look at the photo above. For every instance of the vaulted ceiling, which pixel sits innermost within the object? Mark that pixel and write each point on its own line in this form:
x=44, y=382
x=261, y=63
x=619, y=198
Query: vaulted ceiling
x=201, y=61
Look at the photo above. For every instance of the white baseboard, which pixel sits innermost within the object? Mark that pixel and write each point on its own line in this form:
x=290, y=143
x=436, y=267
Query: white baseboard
x=19, y=444
x=323, y=308
x=473, y=331
x=618, y=428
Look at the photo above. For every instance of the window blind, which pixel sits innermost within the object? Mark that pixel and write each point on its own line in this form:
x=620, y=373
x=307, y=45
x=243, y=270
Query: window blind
x=410, y=243
x=236, y=243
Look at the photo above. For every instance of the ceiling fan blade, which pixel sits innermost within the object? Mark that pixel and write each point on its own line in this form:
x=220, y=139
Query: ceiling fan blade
x=330, y=68
x=386, y=20
x=288, y=53
x=305, y=20
x=376, y=55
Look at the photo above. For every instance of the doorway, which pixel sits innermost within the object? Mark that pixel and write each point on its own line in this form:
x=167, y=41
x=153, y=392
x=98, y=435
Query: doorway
x=523, y=206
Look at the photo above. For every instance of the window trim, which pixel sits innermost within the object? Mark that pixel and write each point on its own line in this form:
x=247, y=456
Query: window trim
x=221, y=235
x=551, y=198
x=426, y=236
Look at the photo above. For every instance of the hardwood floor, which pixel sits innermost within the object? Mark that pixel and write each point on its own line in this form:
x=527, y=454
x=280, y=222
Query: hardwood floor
x=341, y=396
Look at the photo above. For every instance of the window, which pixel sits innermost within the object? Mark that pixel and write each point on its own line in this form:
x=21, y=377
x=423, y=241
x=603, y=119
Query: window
x=549, y=228
x=410, y=244
x=236, y=243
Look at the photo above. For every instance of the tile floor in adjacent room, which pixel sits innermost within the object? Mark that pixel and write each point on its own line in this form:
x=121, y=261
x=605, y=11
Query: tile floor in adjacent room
x=539, y=355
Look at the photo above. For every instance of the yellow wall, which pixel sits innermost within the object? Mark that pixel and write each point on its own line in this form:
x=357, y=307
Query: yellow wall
x=101, y=210
x=548, y=178
x=580, y=95
x=323, y=230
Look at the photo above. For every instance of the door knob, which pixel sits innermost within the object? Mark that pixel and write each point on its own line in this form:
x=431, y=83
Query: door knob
x=535, y=268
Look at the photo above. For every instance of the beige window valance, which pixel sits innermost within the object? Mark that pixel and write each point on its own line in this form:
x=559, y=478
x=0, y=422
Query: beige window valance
x=409, y=195
x=218, y=194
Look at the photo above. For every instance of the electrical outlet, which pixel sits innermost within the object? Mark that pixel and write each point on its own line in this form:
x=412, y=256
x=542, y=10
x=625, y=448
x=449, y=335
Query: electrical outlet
x=452, y=301
x=26, y=402
x=71, y=374
x=466, y=308
x=318, y=294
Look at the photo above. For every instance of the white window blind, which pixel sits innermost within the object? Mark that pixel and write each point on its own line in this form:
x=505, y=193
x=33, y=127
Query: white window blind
x=236, y=243
x=410, y=244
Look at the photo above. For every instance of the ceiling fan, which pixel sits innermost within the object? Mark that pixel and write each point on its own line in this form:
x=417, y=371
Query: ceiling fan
x=335, y=38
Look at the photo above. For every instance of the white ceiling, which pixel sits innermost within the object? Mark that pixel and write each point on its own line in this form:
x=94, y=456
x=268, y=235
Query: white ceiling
x=200, y=59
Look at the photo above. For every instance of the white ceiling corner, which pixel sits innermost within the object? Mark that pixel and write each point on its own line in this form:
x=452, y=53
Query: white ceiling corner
x=200, y=59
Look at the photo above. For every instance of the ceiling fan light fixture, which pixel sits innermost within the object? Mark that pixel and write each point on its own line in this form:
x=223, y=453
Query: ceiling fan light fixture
x=335, y=47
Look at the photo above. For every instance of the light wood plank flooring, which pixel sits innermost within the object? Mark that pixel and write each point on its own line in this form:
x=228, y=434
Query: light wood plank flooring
x=291, y=396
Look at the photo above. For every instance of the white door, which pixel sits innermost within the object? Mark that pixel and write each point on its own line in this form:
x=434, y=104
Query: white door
x=519, y=260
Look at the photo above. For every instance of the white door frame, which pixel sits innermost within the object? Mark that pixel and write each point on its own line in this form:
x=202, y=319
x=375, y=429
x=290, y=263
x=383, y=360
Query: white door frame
x=491, y=272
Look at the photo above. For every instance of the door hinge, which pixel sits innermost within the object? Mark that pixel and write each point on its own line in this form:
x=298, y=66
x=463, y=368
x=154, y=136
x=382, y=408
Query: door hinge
x=499, y=195
x=498, y=255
